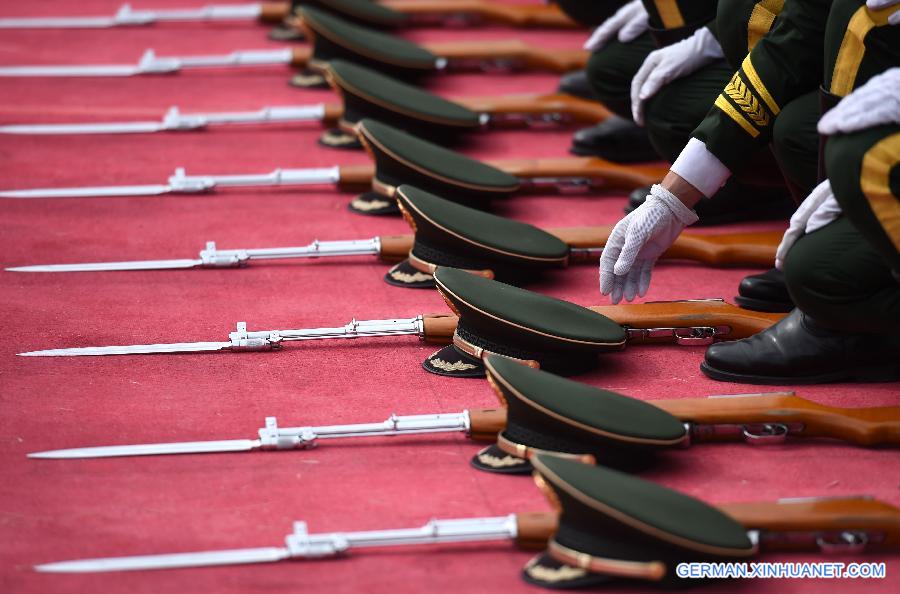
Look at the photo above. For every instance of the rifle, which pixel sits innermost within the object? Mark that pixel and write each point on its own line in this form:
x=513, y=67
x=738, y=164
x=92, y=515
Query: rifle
x=725, y=249
x=444, y=13
x=379, y=50
x=126, y=16
x=535, y=111
x=848, y=524
x=399, y=159
x=389, y=13
x=684, y=322
x=753, y=418
x=530, y=531
x=367, y=93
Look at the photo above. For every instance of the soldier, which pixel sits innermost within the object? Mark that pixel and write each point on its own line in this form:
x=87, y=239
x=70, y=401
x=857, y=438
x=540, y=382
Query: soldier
x=840, y=257
x=621, y=45
x=859, y=43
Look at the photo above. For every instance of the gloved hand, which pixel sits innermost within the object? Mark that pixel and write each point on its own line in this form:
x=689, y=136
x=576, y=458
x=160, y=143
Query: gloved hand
x=819, y=209
x=627, y=23
x=875, y=103
x=666, y=64
x=894, y=19
x=638, y=240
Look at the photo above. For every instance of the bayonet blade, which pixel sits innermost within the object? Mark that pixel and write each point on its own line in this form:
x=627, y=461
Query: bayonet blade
x=134, y=349
x=152, y=449
x=106, y=266
x=89, y=192
x=96, y=128
x=72, y=70
x=97, y=22
x=197, y=559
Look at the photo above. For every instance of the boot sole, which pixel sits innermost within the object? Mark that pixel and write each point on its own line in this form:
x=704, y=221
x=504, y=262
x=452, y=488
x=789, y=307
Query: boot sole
x=763, y=304
x=862, y=375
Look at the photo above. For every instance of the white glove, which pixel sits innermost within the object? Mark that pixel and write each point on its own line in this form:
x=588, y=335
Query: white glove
x=666, y=64
x=875, y=103
x=638, y=240
x=627, y=24
x=894, y=19
x=819, y=209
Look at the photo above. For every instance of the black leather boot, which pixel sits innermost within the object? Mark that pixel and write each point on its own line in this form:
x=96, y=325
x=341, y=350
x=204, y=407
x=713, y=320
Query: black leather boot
x=614, y=139
x=766, y=291
x=797, y=350
x=576, y=83
x=733, y=206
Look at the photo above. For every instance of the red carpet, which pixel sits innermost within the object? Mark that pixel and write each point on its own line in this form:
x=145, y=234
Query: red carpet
x=56, y=510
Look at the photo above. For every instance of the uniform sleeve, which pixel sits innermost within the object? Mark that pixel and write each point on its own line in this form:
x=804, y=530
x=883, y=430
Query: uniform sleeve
x=783, y=65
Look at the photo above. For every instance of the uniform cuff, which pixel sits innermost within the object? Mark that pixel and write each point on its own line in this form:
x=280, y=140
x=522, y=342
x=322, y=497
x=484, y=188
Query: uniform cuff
x=700, y=168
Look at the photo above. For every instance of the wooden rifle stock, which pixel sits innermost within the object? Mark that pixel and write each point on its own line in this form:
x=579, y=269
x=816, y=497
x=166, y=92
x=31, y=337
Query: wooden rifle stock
x=613, y=175
x=486, y=423
x=518, y=15
x=879, y=520
x=300, y=56
x=512, y=50
x=726, y=249
x=356, y=176
x=733, y=249
x=863, y=426
x=818, y=515
x=579, y=110
x=663, y=314
x=710, y=312
x=274, y=12
x=333, y=113
x=535, y=529
x=395, y=247
x=439, y=327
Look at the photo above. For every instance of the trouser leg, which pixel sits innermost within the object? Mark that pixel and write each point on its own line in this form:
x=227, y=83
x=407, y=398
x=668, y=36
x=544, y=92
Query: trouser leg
x=838, y=279
x=864, y=169
x=672, y=115
x=609, y=73
x=795, y=143
x=610, y=70
x=841, y=276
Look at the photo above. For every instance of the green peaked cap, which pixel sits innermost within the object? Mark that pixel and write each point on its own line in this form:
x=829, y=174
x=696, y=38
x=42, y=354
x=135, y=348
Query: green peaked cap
x=539, y=396
x=615, y=516
x=401, y=158
x=548, y=413
x=368, y=93
x=361, y=12
x=451, y=234
x=504, y=319
x=336, y=38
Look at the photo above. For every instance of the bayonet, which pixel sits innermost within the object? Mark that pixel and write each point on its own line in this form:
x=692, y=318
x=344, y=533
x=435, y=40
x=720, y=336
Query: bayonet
x=174, y=120
x=303, y=545
x=150, y=63
x=129, y=17
x=211, y=257
x=425, y=327
x=694, y=323
x=181, y=183
x=479, y=424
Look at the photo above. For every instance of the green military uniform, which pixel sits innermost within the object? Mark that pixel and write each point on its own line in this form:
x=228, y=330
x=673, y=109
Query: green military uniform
x=611, y=68
x=843, y=277
x=673, y=113
x=773, y=96
x=782, y=66
x=610, y=71
x=589, y=13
